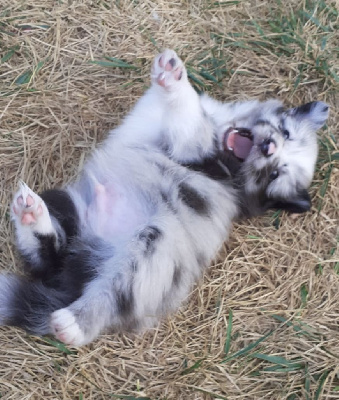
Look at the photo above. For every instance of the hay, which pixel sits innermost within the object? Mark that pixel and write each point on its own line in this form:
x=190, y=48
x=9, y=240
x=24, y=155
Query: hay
x=278, y=274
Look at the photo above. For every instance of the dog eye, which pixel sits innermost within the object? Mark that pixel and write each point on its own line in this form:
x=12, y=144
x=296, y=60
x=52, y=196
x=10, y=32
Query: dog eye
x=286, y=133
x=274, y=175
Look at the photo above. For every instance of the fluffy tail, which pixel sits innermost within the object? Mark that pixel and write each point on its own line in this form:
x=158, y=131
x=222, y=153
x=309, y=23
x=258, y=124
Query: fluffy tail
x=29, y=305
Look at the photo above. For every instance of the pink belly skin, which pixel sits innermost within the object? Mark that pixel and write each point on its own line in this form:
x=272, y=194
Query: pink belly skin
x=112, y=213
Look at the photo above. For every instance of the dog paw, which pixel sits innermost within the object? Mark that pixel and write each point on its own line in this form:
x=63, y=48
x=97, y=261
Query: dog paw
x=28, y=209
x=65, y=328
x=168, y=70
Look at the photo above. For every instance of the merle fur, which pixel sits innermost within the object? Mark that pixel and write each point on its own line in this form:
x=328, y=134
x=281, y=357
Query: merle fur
x=179, y=189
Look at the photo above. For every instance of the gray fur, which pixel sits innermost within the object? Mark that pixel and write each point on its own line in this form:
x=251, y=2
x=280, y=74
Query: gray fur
x=164, y=215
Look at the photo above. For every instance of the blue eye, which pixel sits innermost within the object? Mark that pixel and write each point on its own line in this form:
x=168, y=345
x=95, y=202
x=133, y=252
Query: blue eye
x=286, y=133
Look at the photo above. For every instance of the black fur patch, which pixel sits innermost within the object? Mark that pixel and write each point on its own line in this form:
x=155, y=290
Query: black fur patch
x=193, y=199
x=177, y=275
x=50, y=259
x=125, y=302
x=305, y=108
x=61, y=206
x=299, y=204
x=150, y=236
x=279, y=110
x=262, y=122
x=221, y=167
x=261, y=176
x=82, y=262
x=167, y=200
x=33, y=303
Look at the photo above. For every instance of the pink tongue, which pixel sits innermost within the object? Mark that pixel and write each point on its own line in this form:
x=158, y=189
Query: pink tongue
x=240, y=145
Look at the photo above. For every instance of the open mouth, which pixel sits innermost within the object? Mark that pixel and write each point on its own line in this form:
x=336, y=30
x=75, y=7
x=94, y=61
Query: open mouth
x=239, y=141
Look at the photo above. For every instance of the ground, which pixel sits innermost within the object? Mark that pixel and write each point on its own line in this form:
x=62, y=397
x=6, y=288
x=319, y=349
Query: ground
x=264, y=321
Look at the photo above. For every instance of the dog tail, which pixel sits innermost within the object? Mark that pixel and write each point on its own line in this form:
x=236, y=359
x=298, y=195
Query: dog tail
x=29, y=304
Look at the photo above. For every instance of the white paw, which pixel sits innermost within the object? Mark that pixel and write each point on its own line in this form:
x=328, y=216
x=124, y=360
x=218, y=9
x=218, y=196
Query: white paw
x=28, y=209
x=168, y=70
x=65, y=328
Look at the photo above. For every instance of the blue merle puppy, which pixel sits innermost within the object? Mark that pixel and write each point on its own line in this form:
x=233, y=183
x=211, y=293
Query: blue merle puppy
x=122, y=246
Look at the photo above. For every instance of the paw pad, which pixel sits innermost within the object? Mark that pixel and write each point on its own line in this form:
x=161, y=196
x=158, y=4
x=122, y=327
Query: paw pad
x=167, y=69
x=27, y=206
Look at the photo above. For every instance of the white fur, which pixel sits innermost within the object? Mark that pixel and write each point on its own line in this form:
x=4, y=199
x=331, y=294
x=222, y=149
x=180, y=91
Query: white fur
x=135, y=181
x=66, y=329
x=25, y=233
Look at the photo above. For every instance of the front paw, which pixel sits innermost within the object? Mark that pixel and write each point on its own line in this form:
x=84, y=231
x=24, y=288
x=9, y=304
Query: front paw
x=168, y=70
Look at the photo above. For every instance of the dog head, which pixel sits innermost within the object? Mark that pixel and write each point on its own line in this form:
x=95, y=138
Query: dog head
x=278, y=151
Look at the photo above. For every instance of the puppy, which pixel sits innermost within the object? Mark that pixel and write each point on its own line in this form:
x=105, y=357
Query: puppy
x=122, y=246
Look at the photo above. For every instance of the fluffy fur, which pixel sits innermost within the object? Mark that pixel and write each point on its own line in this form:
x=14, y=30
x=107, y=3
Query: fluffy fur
x=122, y=246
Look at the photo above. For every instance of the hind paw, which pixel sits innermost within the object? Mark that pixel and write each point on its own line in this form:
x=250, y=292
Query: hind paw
x=28, y=209
x=168, y=70
x=65, y=328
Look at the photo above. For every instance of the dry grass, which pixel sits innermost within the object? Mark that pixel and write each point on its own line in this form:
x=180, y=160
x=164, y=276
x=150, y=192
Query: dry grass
x=277, y=276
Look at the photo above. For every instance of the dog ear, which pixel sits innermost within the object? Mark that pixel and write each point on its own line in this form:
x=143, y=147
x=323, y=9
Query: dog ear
x=298, y=204
x=316, y=113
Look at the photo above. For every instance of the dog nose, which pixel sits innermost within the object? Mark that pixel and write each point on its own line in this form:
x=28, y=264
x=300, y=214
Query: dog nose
x=268, y=147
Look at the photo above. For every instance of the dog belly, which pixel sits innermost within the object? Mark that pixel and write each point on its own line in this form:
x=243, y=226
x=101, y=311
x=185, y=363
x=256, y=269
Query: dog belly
x=114, y=213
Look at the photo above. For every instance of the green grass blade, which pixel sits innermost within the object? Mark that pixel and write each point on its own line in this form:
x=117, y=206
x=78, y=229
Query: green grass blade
x=228, y=333
x=224, y=3
x=247, y=349
x=121, y=63
x=24, y=78
x=193, y=367
x=199, y=85
x=7, y=56
x=258, y=28
x=304, y=295
x=321, y=384
x=60, y=346
x=336, y=268
x=31, y=27
x=39, y=66
x=296, y=328
x=208, y=76
x=314, y=20
x=278, y=368
x=300, y=328
x=113, y=63
x=27, y=76
x=275, y=359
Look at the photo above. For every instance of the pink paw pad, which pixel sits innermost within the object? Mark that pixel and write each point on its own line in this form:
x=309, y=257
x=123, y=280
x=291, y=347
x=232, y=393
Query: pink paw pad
x=169, y=66
x=25, y=206
x=167, y=69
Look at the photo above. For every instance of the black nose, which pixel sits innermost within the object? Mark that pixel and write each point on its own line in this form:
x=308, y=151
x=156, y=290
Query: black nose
x=264, y=147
